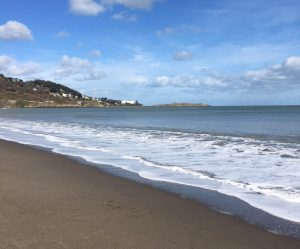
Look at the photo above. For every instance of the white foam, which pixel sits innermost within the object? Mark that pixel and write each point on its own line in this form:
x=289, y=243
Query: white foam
x=265, y=174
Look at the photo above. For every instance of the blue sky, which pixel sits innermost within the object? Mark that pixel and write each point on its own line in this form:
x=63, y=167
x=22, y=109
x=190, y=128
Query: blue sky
x=158, y=51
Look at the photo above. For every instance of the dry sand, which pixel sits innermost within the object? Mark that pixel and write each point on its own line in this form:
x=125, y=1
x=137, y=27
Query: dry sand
x=49, y=201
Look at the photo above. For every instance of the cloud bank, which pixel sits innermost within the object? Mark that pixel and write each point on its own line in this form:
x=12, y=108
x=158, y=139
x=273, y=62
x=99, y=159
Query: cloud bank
x=137, y=73
x=279, y=77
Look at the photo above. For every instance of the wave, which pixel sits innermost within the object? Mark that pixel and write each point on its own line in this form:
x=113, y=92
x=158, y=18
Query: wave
x=286, y=193
x=264, y=173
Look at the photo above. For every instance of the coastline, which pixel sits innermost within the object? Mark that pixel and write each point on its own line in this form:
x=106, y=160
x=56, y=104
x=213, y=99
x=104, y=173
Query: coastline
x=51, y=201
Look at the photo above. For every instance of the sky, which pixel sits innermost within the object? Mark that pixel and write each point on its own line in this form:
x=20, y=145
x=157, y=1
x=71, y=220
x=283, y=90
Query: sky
x=220, y=52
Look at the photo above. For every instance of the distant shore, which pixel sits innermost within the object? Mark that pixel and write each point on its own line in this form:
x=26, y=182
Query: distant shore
x=50, y=201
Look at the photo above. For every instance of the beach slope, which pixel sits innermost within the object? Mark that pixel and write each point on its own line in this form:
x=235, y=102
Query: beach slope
x=50, y=201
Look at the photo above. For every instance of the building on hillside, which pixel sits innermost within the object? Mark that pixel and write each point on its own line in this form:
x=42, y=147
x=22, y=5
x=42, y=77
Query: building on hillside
x=67, y=95
x=129, y=102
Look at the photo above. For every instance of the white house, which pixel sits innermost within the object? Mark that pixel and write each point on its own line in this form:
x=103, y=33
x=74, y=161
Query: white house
x=67, y=95
x=129, y=102
x=54, y=94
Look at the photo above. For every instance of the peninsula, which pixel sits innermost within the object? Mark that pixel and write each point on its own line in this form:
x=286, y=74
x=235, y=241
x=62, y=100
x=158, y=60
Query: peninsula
x=16, y=93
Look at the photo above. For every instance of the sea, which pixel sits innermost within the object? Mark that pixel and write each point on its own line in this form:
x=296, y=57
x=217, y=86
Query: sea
x=248, y=153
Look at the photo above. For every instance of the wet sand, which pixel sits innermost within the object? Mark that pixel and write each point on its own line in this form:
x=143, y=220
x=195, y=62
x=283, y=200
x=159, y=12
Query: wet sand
x=50, y=201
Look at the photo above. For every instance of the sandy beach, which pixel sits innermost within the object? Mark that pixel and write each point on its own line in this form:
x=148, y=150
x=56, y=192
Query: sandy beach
x=50, y=201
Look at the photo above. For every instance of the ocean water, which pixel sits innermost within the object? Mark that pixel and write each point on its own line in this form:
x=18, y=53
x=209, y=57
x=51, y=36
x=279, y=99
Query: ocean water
x=252, y=153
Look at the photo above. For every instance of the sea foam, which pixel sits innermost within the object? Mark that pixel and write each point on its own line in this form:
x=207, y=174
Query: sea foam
x=263, y=173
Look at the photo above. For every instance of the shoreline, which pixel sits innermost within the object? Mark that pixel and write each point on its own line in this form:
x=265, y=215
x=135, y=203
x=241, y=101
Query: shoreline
x=214, y=200
x=51, y=201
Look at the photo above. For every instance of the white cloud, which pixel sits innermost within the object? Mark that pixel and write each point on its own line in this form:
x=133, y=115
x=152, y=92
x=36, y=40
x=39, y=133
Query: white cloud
x=67, y=61
x=9, y=66
x=13, y=30
x=96, y=7
x=92, y=75
x=162, y=80
x=5, y=61
x=178, y=29
x=78, y=69
x=277, y=76
x=292, y=63
x=124, y=16
x=134, y=79
x=95, y=53
x=62, y=34
x=86, y=7
x=72, y=65
x=182, y=56
x=187, y=82
x=134, y=4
